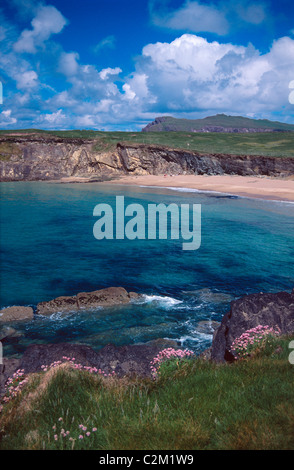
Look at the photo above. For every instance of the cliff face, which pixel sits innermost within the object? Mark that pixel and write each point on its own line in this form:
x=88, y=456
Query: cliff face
x=32, y=158
x=35, y=157
x=151, y=159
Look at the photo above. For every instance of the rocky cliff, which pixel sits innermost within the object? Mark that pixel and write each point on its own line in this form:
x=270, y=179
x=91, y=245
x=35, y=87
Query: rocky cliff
x=274, y=310
x=34, y=157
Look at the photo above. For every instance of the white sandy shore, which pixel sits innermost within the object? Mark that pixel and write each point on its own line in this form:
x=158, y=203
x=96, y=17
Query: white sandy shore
x=249, y=186
x=255, y=187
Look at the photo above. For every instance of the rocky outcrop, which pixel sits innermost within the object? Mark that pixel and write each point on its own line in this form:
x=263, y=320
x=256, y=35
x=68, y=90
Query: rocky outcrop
x=156, y=160
x=16, y=313
x=249, y=312
x=123, y=360
x=45, y=157
x=87, y=300
x=37, y=157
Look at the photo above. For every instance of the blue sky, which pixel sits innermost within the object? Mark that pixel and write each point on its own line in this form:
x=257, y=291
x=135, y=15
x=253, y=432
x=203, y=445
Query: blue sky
x=118, y=64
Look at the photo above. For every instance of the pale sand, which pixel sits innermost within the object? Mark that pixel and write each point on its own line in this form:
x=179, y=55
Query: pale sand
x=253, y=187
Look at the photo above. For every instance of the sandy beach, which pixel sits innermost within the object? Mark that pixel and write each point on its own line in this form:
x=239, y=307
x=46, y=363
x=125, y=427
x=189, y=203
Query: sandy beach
x=255, y=187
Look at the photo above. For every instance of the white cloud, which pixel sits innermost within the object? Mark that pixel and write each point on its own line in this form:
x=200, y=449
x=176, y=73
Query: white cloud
x=47, y=21
x=55, y=118
x=104, y=74
x=193, y=16
x=26, y=80
x=191, y=74
x=189, y=57
x=6, y=119
x=211, y=17
x=129, y=93
x=68, y=63
x=254, y=14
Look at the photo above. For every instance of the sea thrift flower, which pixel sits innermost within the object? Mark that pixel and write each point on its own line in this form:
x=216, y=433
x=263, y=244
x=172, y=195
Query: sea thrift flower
x=253, y=339
x=166, y=354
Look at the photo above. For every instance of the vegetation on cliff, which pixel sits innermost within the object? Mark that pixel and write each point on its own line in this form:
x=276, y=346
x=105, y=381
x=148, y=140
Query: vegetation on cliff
x=193, y=404
x=265, y=144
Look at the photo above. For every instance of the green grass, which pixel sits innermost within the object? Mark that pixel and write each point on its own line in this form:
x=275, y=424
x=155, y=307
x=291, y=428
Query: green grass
x=266, y=144
x=194, y=404
x=7, y=149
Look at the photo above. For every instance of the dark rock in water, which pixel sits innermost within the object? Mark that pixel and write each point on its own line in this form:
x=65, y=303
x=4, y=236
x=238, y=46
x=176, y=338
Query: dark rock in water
x=86, y=300
x=163, y=343
x=207, y=326
x=124, y=360
x=249, y=312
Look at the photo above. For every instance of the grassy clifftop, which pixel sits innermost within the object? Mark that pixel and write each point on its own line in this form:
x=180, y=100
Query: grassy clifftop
x=194, y=404
x=265, y=144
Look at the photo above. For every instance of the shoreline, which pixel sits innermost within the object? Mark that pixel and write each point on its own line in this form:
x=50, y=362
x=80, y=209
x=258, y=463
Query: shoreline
x=252, y=187
x=255, y=187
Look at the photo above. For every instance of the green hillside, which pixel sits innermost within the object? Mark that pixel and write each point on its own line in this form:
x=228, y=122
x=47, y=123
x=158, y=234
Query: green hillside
x=168, y=123
x=273, y=144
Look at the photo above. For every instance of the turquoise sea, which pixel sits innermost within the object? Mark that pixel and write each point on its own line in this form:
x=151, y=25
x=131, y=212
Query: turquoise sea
x=48, y=249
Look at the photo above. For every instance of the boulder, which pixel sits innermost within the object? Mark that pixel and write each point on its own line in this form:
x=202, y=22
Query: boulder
x=129, y=360
x=11, y=314
x=87, y=300
x=248, y=312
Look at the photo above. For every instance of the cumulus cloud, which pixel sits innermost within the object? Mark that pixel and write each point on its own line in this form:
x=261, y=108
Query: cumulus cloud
x=27, y=80
x=48, y=21
x=68, y=63
x=187, y=77
x=105, y=73
x=191, y=74
x=6, y=119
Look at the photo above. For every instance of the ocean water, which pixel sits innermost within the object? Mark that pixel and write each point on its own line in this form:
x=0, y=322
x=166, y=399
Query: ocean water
x=48, y=249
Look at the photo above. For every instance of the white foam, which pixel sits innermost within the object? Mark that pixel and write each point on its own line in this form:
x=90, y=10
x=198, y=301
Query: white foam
x=209, y=191
x=163, y=301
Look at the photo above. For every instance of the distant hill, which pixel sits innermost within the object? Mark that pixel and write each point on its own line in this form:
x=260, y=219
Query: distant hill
x=218, y=123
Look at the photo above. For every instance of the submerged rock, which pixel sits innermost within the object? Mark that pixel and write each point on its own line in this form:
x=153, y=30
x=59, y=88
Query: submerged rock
x=209, y=296
x=87, y=300
x=16, y=313
x=208, y=326
x=249, y=312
